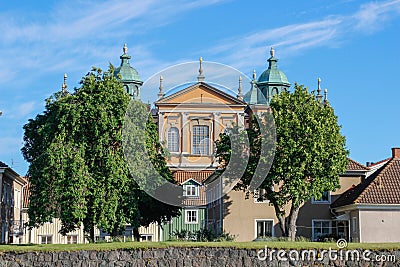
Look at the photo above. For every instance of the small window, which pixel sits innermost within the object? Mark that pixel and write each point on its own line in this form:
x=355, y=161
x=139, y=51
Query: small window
x=146, y=238
x=355, y=226
x=46, y=239
x=72, y=239
x=321, y=229
x=191, y=216
x=326, y=198
x=173, y=139
x=200, y=140
x=259, y=196
x=191, y=190
x=264, y=228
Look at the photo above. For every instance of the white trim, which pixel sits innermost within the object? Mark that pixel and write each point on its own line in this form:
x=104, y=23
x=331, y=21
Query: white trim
x=255, y=226
x=197, y=216
x=319, y=220
x=368, y=207
x=313, y=201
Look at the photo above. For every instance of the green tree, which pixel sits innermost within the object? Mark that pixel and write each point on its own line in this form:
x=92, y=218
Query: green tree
x=310, y=153
x=77, y=168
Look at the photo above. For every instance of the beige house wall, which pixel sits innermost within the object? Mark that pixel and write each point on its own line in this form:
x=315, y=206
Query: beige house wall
x=240, y=213
x=379, y=226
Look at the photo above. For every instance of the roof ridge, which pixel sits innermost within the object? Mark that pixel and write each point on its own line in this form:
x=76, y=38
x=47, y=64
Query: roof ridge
x=197, y=85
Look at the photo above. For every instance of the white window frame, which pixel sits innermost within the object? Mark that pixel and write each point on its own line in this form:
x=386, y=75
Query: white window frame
x=72, y=237
x=173, y=132
x=146, y=238
x=201, y=148
x=314, y=238
x=191, y=186
x=263, y=220
x=256, y=194
x=318, y=201
x=47, y=239
x=187, y=221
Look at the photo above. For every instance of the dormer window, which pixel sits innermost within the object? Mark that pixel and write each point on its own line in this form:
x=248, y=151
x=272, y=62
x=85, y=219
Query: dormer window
x=191, y=190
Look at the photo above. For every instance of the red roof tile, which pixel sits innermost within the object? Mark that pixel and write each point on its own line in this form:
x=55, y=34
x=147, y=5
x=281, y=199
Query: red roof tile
x=382, y=187
x=199, y=176
x=355, y=166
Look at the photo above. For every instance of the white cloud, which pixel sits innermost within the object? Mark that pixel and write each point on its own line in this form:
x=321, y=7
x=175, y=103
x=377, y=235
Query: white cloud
x=244, y=51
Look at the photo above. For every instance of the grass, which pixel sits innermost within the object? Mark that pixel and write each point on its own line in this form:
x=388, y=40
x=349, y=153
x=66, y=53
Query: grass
x=149, y=245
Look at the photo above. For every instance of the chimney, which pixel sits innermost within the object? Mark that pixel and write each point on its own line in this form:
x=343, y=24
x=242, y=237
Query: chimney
x=396, y=152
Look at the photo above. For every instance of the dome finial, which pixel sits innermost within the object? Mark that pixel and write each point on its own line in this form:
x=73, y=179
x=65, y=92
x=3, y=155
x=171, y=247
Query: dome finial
x=125, y=49
x=272, y=52
x=200, y=77
x=254, y=75
x=325, y=96
x=161, y=94
x=319, y=96
x=240, y=90
x=64, y=85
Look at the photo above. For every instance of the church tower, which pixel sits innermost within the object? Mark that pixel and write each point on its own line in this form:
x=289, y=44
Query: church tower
x=272, y=81
x=129, y=76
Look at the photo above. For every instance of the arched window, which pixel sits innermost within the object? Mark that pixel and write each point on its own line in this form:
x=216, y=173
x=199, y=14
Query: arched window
x=173, y=139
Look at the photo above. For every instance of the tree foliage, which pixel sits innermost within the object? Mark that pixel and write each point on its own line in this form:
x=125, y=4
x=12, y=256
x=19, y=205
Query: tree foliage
x=309, y=157
x=77, y=169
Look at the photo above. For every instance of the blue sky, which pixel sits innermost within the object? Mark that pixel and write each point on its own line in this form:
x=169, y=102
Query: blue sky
x=352, y=45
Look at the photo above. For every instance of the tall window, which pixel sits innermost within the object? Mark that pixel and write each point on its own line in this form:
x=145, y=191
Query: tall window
x=321, y=229
x=200, y=140
x=173, y=139
x=264, y=228
x=191, y=216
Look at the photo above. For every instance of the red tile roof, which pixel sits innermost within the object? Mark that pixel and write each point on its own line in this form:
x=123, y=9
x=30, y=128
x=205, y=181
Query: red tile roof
x=382, y=187
x=355, y=166
x=199, y=176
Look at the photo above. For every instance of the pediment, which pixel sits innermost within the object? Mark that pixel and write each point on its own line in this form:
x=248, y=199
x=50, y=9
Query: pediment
x=200, y=93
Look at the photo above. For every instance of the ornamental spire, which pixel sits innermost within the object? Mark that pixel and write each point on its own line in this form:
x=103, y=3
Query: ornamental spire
x=319, y=96
x=325, y=96
x=64, y=86
x=200, y=77
x=272, y=60
x=125, y=49
x=161, y=94
x=254, y=75
x=240, y=90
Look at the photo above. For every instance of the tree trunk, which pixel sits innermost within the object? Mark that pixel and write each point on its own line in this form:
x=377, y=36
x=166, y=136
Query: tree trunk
x=135, y=232
x=92, y=237
x=294, y=212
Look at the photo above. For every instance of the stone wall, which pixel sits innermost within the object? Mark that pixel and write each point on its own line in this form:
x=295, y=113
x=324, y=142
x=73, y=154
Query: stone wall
x=173, y=257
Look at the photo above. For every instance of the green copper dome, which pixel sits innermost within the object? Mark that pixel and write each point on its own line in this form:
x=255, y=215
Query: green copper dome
x=128, y=73
x=128, y=76
x=273, y=75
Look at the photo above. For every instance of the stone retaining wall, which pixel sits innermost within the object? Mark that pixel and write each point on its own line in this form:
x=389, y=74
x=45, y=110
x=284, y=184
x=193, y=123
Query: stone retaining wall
x=175, y=257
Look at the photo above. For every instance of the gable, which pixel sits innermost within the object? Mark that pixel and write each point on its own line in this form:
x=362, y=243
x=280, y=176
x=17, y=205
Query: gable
x=200, y=93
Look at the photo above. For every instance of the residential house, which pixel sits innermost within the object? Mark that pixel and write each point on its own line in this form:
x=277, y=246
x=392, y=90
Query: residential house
x=12, y=185
x=373, y=207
